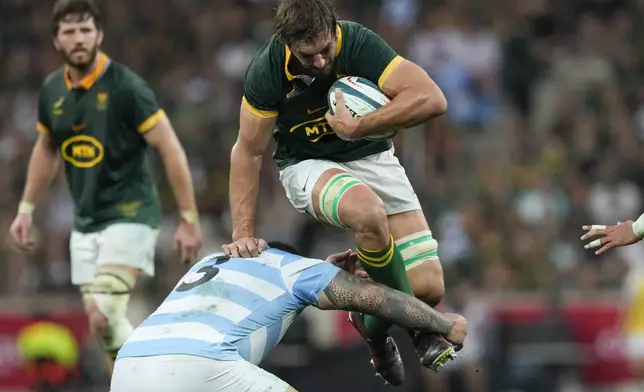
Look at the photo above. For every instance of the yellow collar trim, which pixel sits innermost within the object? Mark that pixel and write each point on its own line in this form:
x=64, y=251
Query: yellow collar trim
x=338, y=46
x=88, y=81
x=338, y=42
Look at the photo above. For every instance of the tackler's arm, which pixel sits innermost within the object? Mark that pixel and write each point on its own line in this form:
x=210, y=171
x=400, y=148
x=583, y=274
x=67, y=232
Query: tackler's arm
x=351, y=293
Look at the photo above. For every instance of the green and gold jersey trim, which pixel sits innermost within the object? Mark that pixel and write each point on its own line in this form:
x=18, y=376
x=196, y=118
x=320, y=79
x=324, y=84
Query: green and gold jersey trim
x=258, y=112
x=338, y=47
x=88, y=81
x=152, y=121
x=393, y=64
x=41, y=128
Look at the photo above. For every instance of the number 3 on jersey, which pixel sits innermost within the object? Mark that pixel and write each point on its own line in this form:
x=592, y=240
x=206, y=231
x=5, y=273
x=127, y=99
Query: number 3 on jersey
x=203, y=275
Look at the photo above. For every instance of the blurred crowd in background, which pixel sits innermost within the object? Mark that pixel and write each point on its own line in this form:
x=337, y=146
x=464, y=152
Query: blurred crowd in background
x=543, y=133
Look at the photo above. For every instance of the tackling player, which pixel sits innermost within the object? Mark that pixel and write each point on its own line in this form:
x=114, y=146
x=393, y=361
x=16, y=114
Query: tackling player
x=99, y=116
x=356, y=184
x=226, y=314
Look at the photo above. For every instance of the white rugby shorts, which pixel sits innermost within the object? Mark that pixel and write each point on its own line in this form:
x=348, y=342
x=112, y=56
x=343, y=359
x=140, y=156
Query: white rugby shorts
x=188, y=373
x=382, y=172
x=128, y=244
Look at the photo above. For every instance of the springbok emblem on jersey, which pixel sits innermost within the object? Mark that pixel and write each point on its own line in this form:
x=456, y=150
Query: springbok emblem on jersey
x=58, y=105
x=101, y=101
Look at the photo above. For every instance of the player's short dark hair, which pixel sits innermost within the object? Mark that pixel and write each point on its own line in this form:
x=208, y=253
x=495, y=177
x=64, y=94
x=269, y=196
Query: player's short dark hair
x=284, y=247
x=84, y=9
x=304, y=20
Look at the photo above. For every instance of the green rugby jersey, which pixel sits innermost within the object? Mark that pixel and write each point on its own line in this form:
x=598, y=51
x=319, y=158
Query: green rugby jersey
x=98, y=129
x=270, y=90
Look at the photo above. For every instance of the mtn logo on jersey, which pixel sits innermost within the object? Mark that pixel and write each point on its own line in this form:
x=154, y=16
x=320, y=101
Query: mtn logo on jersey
x=230, y=308
x=314, y=129
x=82, y=151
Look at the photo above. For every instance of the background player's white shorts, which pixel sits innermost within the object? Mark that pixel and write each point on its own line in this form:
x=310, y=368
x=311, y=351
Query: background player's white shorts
x=188, y=373
x=382, y=172
x=130, y=244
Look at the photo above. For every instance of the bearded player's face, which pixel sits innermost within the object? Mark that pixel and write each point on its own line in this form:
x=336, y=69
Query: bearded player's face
x=317, y=56
x=78, y=41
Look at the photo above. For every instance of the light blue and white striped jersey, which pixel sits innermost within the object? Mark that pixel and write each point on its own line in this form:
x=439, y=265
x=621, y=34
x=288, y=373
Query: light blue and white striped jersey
x=231, y=308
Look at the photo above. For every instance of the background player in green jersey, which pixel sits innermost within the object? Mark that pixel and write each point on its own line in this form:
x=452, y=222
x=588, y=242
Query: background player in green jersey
x=99, y=116
x=360, y=183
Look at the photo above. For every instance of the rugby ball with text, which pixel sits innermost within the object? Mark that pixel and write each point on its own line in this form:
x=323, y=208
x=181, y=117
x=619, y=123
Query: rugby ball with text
x=361, y=96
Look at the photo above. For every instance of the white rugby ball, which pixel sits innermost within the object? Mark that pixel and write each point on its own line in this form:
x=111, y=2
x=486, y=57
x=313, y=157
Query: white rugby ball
x=361, y=96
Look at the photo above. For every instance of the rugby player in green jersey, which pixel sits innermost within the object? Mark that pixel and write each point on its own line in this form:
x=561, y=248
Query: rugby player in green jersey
x=345, y=181
x=99, y=117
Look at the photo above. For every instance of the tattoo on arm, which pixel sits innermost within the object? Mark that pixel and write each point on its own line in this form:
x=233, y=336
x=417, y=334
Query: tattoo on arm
x=348, y=292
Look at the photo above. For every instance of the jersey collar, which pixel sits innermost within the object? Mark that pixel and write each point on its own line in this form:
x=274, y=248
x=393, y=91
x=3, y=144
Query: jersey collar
x=102, y=62
x=338, y=46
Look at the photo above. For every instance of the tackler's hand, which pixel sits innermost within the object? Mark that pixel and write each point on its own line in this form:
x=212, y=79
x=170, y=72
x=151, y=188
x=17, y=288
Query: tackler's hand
x=348, y=261
x=342, y=122
x=459, y=330
x=610, y=237
x=343, y=260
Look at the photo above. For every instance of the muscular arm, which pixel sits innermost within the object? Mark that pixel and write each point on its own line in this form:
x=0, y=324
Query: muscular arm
x=245, y=164
x=164, y=139
x=43, y=166
x=415, y=99
x=348, y=292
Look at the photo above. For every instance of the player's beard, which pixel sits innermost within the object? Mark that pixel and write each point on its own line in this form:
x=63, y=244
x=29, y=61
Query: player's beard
x=317, y=72
x=85, y=63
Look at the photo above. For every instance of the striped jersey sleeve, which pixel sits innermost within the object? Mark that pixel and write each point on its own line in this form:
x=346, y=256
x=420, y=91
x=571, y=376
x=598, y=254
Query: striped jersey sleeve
x=305, y=278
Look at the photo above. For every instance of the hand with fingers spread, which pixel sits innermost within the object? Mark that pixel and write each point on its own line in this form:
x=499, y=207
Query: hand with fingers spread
x=245, y=247
x=608, y=237
x=341, y=121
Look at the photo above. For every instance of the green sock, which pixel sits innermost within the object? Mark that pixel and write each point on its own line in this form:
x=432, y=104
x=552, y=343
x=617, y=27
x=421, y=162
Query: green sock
x=385, y=266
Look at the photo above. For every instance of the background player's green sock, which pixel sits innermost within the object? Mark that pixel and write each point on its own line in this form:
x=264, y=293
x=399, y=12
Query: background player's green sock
x=385, y=266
